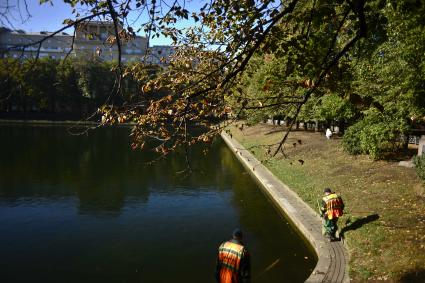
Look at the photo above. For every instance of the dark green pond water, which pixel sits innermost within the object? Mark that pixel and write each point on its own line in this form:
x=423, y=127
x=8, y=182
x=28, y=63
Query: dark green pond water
x=87, y=208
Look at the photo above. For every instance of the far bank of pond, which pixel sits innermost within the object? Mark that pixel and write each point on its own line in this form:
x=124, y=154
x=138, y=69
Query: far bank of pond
x=89, y=209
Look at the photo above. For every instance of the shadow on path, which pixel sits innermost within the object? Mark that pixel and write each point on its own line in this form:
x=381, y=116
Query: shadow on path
x=359, y=223
x=413, y=276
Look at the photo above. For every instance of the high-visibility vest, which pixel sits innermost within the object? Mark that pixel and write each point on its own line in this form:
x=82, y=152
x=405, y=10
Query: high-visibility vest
x=230, y=255
x=334, y=206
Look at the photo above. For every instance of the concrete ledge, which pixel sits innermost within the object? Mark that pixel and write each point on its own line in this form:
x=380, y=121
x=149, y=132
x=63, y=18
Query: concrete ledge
x=332, y=265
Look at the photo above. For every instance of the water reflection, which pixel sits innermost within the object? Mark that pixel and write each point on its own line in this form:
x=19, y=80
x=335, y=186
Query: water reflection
x=88, y=209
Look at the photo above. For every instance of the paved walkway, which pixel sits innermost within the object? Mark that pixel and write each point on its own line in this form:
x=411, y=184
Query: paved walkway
x=332, y=256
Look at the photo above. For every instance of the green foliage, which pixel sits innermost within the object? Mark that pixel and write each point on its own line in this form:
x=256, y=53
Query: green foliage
x=378, y=87
x=266, y=92
x=377, y=135
x=351, y=140
x=71, y=86
x=333, y=107
x=389, y=82
x=419, y=162
x=96, y=80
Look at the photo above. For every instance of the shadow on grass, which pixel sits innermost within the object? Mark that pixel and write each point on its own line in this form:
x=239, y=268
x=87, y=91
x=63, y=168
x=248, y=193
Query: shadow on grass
x=275, y=131
x=400, y=155
x=284, y=128
x=414, y=276
x=359, y=223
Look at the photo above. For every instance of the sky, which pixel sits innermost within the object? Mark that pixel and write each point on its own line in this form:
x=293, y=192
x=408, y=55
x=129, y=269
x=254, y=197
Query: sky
x=47, y=17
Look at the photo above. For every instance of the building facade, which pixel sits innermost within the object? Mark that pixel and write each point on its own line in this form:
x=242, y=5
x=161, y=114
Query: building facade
x=159, y=54
x=55, y=47
x=92, y=39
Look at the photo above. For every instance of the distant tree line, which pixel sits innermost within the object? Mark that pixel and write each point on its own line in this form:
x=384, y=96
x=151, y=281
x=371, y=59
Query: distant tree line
x=73, y=88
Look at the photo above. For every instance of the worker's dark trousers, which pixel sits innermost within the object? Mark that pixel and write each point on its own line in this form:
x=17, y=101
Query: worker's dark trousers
x=331, y=226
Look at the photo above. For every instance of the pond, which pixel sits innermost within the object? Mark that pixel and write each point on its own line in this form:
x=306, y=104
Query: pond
x=88, y=208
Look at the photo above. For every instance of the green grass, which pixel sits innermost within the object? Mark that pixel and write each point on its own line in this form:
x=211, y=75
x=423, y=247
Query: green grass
x=385, y=203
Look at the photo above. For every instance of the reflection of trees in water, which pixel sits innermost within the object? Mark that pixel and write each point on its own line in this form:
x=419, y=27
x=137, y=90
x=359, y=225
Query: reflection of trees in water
x=100, y=168
x=95, y=199
x=46, y=161
x=215, y=169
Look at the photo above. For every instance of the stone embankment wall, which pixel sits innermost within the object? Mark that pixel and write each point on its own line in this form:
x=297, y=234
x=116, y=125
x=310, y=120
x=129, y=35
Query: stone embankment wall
x=332, y=256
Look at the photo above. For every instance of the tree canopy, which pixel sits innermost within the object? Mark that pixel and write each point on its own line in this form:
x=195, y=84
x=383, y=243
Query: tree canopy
x=345, y=60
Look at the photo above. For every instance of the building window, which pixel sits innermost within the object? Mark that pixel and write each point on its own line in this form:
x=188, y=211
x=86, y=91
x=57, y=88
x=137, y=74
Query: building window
x=103, y=35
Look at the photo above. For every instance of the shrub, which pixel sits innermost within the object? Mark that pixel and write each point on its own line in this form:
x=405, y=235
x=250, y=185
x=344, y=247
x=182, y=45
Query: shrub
x=419, y=162
x=351, y=139
x=378, y=139
x=376, y=135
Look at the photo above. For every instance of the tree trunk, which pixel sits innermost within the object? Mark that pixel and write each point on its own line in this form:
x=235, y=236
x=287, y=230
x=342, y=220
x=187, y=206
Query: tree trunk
x=316, y=125
x=405, y=143
x=341, y=127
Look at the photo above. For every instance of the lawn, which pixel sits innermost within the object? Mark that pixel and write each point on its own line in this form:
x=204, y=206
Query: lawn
x=384, y=223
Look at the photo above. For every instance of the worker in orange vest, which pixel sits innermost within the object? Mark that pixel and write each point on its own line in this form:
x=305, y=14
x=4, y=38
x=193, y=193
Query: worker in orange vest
x=233, y=261
x=331, y=209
